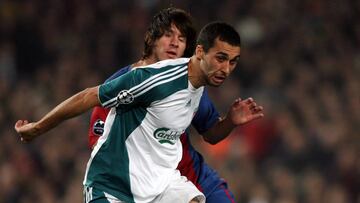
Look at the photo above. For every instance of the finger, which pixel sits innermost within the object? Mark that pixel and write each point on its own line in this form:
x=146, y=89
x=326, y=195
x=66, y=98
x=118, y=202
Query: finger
x=257, y=109
x=252, y=105
x=236, y=103
x=238, y=100
x=257, y=116
x=18, y=124
x=249, y=100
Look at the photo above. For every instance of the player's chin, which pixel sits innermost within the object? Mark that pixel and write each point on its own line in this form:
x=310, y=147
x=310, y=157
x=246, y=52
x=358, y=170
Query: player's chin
x=172, y=56
x=212, y=84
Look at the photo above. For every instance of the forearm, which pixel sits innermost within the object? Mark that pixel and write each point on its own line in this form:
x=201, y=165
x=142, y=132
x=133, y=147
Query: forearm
x=72, y=107
x=219, y=131
x=240, y=113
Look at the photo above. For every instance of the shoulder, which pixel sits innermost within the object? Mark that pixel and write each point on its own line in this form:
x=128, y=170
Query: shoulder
x=166, y=69
x=162, y=79
x=169, y=63
x=118, y=73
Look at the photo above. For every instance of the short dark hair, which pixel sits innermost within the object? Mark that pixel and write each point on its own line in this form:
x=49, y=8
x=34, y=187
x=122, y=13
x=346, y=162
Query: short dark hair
x=162, y=21
x=217, y=29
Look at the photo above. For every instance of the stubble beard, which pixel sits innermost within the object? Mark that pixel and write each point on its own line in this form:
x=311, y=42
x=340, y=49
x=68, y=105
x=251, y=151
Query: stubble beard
x=210, y=83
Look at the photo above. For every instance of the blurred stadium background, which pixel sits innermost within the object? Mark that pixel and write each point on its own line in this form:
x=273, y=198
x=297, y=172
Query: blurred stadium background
x=300, y=60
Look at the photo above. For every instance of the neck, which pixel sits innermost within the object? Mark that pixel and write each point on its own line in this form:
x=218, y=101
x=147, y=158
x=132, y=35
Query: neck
x=144, y=62
x=195, y=74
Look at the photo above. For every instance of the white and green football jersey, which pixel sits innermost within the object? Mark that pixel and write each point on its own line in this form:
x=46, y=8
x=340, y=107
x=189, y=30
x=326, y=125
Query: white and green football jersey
x=140, y=147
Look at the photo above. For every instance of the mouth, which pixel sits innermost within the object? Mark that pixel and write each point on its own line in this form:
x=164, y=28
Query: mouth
x=171, y=54
x=219, y=79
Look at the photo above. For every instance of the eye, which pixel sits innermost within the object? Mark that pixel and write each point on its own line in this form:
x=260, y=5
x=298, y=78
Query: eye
x=182, y=39
x=233, y=62
x=221, y=59
x=167, y=34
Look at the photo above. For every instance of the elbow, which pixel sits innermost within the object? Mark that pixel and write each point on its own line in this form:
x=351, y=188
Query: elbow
x=210, y=141
x=90, y=96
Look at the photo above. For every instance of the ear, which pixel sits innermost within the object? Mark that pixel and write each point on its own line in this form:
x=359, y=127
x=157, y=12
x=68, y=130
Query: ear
x=199, y=52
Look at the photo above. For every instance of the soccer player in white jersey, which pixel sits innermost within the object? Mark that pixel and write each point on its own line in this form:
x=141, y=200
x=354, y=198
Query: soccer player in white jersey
x=136, y=158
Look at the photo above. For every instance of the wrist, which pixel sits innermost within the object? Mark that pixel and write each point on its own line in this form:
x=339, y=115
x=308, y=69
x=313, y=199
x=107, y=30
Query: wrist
x=228, y=122
x=37, y=128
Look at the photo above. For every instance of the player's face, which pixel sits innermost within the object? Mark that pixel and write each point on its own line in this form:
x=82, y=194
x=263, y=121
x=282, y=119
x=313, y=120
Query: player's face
x=218, y=62
x=170, y=46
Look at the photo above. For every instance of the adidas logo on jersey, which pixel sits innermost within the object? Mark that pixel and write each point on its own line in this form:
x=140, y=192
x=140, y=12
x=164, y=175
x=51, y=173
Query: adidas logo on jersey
x=165, y=135
x=188, y=104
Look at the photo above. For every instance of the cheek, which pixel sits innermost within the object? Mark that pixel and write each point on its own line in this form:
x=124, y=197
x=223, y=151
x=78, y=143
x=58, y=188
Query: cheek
x=160, y=50
x=162, y=44
x=181, y=50
x=156, y=51
x=214, y=66
x=209, y=67
x=232, y=68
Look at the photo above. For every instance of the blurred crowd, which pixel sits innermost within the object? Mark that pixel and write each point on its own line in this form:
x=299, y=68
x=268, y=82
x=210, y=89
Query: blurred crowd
x=300, y=60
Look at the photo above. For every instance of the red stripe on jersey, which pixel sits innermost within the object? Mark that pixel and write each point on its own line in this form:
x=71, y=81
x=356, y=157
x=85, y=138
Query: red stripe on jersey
x=227, y=194
x=99, y=113
x=186, y=165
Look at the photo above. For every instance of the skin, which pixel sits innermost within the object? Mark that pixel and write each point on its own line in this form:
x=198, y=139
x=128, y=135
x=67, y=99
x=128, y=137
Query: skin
x=171, y=45
x=215, y=65
x=212, y=68
x=205, y=68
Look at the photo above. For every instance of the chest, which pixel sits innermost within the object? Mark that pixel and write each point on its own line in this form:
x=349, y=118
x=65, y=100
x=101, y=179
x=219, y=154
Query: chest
x=175, y=111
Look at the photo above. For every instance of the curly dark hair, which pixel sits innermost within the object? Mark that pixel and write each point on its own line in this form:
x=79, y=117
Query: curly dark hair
x=162, y=21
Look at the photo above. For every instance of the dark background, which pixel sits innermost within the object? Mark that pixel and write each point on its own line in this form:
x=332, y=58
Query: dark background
x=299, y=59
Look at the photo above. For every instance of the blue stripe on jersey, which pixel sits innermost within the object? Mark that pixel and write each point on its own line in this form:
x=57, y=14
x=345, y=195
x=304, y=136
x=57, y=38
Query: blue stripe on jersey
x=118, y=73
x=207, y=179
x=212, y=185
x=206, y=116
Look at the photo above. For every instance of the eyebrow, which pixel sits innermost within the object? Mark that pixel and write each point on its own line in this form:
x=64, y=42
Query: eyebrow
x=171, y=30
x=223, y=54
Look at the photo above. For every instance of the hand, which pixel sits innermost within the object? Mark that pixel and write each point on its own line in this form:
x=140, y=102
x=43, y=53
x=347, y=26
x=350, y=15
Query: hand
x=244, y=111
x=26, y=130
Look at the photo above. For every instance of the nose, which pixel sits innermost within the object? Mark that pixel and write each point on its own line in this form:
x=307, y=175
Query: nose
x=226, y=68
x=174, y=41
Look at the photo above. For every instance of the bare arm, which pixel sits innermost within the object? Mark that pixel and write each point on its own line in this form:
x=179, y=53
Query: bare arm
x=73, y=106
x=240, y=113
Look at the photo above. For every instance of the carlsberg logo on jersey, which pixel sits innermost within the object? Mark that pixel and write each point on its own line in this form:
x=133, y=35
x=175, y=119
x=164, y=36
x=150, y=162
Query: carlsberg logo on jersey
x=165, y=135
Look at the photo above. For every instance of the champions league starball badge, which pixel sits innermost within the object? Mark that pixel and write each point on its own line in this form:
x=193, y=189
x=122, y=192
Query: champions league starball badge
x=125, y=97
